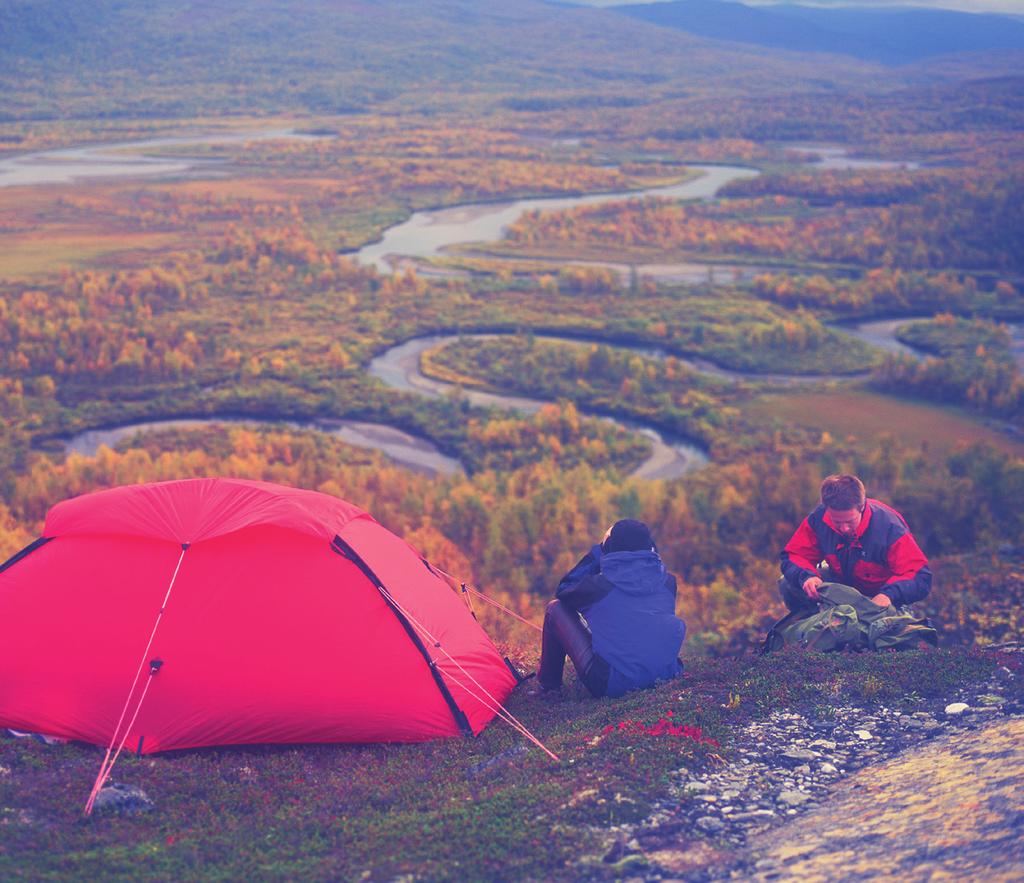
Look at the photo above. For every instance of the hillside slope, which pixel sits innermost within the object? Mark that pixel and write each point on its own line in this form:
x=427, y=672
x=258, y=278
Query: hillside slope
x=64, y=58
x=892, y=35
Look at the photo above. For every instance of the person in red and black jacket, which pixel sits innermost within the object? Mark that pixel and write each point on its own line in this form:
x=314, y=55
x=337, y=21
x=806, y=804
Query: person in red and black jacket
x=865, y=543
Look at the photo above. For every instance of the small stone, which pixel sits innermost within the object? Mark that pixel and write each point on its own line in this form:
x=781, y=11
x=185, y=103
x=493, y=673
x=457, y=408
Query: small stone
x=754, y=815
x=708, y=798
x=863, y=735
x=827, y=768
x=911, y=723
x=825, y=744
x=930, y=726
x=797, y=756
x=11, y=816
x=956, y=708
x=124, y=799
x=696, y=787
x=710, y=825
x=803, y=770
x=793, y=798
x=990, y=699
x=615, y=853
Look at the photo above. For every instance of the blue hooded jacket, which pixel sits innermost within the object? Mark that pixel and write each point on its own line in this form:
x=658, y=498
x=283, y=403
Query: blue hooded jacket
x=628, y=600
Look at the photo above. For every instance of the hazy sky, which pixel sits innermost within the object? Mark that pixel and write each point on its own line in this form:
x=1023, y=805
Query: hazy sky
x=1009, y=7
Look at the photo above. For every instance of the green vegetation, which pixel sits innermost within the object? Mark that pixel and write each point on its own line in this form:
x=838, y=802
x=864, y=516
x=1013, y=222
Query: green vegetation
x=597, y=377
x=950, y=337
x=891, y=292
x=974, y=365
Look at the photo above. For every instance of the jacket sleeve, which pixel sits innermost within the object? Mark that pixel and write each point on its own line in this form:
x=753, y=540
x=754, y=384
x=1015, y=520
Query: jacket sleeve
x=589, y=590
x=588, y=565
x=670, y=582
x=800, y=557
x=911, y=578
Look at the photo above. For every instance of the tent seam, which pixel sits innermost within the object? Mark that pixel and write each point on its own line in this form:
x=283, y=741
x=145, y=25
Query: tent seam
x=24, y=553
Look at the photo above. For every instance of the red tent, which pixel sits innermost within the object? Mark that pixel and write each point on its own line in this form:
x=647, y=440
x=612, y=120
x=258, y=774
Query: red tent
x=221, y=611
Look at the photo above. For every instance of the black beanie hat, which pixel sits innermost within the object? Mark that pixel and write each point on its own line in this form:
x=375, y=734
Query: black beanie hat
x=628, y=535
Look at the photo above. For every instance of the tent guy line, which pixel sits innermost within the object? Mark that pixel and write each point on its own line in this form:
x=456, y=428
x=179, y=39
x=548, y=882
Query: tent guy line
x=105, y=768
x=499, y=709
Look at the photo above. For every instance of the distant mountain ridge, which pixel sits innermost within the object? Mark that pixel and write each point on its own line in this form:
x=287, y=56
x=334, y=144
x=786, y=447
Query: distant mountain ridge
x=891, y=35
x=72, y=59
x=67, y=58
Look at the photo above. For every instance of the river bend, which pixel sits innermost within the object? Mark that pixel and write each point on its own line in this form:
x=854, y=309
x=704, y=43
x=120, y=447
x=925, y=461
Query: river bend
x=423, y=235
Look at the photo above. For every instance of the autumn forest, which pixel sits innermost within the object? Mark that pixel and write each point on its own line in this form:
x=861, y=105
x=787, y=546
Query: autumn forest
x=736, y=324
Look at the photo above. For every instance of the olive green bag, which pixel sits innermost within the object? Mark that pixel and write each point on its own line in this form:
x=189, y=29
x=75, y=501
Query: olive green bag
x=846, y=619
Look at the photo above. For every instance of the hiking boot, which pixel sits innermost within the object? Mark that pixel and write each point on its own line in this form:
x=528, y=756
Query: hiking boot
x=546, y=694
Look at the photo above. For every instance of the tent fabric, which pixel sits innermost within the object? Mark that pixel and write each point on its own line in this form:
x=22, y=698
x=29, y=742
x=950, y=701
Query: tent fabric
x=273, y=632
x=200, y=509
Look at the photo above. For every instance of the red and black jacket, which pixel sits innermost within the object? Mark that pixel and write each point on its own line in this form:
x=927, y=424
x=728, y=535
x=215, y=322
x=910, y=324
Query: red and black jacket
x=883, y=557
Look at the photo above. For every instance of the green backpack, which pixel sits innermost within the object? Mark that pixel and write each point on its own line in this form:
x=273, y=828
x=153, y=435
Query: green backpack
x=848, y=619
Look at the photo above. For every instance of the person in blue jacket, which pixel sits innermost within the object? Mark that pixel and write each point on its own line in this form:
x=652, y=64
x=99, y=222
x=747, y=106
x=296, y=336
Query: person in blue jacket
x=614, y=615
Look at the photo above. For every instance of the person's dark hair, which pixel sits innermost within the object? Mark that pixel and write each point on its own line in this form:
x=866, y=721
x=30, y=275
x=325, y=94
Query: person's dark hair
x=628, y=535
x=842, y=492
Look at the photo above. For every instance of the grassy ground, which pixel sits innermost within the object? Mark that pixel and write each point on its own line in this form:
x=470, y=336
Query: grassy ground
x=483, y=809
x=28, y=255
x=866, y=416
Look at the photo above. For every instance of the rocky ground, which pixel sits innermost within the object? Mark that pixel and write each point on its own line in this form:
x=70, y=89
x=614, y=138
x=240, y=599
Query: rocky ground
x=791, y=766
x=952, y=810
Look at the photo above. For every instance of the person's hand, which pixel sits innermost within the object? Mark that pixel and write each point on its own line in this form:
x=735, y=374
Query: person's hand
x=811, y=586
x=882, y=600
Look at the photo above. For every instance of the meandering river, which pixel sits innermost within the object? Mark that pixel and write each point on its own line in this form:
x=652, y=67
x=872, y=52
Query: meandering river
x=426, y=234
x=126, y=159
x=399, y=367
x=409, y=450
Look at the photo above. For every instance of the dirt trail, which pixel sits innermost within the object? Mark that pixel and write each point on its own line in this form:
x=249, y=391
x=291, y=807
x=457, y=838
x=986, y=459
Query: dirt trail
x=953, y=810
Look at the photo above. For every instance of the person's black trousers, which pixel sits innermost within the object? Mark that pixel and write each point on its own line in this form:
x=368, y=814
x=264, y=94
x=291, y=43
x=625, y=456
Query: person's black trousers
x=566, y=633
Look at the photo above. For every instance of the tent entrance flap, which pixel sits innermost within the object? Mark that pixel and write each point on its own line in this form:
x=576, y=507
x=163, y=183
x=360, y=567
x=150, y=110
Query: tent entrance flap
x=342, y=548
